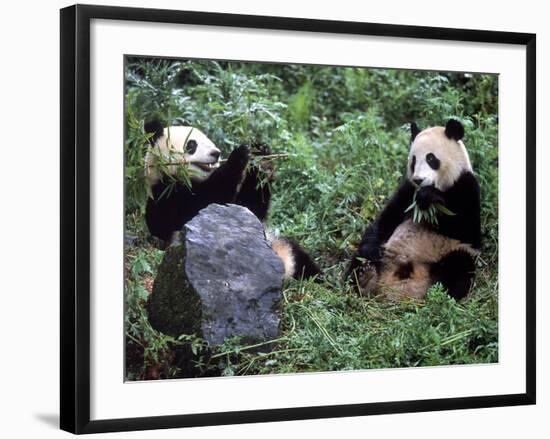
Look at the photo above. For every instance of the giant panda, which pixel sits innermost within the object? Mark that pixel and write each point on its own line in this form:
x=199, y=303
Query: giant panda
x=174, y=201
x=399, y=258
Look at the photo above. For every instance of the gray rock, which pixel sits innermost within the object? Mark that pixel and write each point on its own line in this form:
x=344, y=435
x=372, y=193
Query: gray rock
x=222, y=280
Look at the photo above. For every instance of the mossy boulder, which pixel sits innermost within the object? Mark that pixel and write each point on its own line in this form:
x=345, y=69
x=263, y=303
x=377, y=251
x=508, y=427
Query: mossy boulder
x=221, y=280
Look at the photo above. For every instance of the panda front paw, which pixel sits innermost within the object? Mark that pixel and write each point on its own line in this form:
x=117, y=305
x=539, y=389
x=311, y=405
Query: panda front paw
x=262, y=164
x=260, y=149
x=361, y=273
x=427, y=196
x=239, y=157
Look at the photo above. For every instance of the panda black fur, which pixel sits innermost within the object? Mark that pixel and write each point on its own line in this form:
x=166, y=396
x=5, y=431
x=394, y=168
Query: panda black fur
x=399, y=258
x=173, y=202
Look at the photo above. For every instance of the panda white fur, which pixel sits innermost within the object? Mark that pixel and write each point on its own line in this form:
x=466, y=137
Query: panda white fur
x=399, y=258
x=174, y=202
x=181, y=145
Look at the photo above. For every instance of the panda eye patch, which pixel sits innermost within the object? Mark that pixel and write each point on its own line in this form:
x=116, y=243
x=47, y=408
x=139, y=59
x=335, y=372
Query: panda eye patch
x=433, y=161
x=413, y=163
x=191, y=147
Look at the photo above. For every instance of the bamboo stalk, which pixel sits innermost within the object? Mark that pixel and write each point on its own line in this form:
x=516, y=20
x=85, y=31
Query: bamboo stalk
x=261, y=157
x=266, y=157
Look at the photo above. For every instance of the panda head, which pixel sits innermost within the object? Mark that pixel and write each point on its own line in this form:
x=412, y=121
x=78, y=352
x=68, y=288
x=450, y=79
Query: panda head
x=437, y=156
x=180, y=145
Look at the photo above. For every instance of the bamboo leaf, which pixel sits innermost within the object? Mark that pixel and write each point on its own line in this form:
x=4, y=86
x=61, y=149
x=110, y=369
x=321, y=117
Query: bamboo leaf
x=412, y=206
x=416, y=215
x=444, y=209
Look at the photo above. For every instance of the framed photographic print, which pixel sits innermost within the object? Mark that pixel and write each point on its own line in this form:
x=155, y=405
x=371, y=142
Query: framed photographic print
x=272, y=218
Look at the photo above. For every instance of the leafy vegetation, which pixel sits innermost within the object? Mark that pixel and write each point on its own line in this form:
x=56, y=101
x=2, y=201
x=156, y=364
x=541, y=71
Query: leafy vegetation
x=343, y=135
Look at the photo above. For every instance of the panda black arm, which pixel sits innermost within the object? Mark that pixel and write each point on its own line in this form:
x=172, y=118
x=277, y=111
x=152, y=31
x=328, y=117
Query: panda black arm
x=221, y=186
x=383, y=227
x=463, y=198
x=255, y=194
x=393, y=213
x=255, y=190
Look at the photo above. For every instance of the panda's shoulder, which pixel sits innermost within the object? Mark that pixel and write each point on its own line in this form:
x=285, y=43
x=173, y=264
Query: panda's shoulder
x=467, y=181
x=464, y=195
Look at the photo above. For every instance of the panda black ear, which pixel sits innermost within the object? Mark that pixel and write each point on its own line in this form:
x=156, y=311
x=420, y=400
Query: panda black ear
x=454, y=130
x=414, y=131
x=154, y=127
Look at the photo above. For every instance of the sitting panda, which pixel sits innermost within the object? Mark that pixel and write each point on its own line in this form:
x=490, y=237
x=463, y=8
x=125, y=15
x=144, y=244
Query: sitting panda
x=174, y=202
x=400, y=258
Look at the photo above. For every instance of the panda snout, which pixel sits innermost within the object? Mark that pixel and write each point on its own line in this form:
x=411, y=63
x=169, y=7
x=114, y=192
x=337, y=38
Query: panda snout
x=215, y=154
x=418, y=181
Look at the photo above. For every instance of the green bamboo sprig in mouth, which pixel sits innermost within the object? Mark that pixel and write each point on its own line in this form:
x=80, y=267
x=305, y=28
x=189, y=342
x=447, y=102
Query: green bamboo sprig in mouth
x=430, y=214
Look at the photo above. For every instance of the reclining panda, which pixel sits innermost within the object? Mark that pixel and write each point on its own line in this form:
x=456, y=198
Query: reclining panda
x=399, y=257
x=174, y=202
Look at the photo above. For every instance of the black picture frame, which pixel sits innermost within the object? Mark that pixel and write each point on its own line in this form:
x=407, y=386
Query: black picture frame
x=75, y=217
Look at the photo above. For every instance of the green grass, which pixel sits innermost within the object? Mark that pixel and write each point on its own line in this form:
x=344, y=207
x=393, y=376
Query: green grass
x=345, y=133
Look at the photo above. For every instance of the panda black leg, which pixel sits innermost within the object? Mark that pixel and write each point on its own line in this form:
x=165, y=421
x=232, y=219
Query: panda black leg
x=367, y=258
x=455, y=272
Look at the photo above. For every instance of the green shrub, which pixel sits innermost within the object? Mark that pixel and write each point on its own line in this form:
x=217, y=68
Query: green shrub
x=345, y=132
